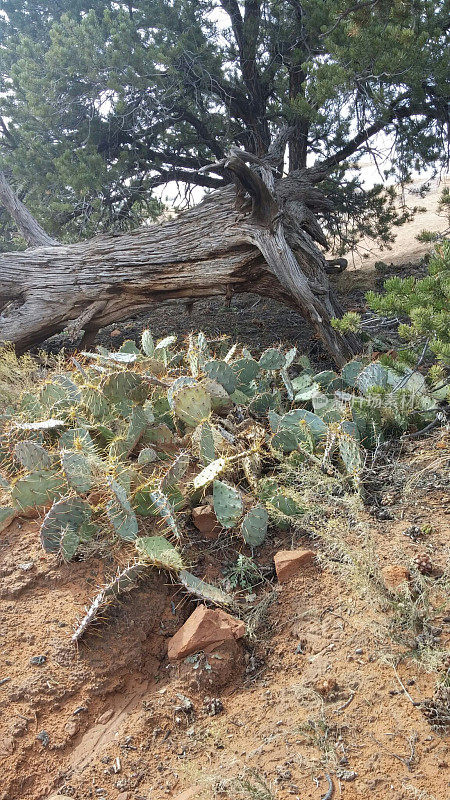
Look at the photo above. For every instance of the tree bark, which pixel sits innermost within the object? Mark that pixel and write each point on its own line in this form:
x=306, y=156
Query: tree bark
x=254, y=237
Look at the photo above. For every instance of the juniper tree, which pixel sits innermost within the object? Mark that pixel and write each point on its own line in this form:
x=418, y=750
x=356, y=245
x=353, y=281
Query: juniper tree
x=102, y=103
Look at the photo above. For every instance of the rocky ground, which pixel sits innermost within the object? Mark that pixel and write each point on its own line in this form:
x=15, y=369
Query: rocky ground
x=329, y=694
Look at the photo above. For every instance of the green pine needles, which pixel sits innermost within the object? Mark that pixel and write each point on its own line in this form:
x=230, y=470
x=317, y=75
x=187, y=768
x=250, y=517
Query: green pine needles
x=424, y=304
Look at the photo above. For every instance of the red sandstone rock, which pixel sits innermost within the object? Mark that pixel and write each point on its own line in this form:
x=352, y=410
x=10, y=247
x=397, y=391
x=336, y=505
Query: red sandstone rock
x=289, y=563
x=204, y=630
x=206, y=521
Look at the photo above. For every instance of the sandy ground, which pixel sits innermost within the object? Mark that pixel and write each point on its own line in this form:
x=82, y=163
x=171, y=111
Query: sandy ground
x=406, y=248
x=313, y=693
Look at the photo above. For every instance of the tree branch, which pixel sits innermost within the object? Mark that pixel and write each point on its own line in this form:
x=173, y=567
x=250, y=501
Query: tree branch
x=28, y=226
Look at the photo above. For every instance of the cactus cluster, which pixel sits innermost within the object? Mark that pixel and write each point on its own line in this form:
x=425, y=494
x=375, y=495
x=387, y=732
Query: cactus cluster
x=123, y=440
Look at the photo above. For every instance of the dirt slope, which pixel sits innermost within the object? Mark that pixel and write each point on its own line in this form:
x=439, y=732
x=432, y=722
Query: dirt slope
x=313, y=693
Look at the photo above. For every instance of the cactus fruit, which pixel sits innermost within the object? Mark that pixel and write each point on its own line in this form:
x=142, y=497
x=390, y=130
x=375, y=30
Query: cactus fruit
x=37, y=489
x=204, y=591
x=32, y=456
x=192, y=405
x=272, y=359
x=254, y=526
x=65, y=517
x=222, y=373
x=77, y=470
x=158, y=552
x=228, y=505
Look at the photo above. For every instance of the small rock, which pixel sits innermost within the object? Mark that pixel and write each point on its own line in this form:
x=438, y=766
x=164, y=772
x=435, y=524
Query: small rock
x=326, y=686
x=116, y=332
x=71, y=727
x=123, y=796
x=37, y=661
x=289, y=563
x=213, y=706
x=26, y=566
x=105, y=717
x=206, y=521
x=394, y=575
x=203, y=630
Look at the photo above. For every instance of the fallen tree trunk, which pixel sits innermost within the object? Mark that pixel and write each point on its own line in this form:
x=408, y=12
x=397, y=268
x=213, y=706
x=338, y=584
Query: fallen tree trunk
x=251, y=237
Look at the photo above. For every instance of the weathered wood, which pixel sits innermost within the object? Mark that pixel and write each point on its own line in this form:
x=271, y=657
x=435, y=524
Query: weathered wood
x=30, y=229
x=210, y=250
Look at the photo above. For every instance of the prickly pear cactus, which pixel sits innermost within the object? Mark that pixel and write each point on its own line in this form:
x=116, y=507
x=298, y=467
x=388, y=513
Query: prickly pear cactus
x=254, y=526
x=228, y=505
x=32, y=456
x=192, y=405
x=61, y=530
x=37, y=489
x=204, y=591
x=222, y=373
x=77, y=470
x=159, y=552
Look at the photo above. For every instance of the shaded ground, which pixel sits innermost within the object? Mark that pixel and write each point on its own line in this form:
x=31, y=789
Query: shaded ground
x=313, y=692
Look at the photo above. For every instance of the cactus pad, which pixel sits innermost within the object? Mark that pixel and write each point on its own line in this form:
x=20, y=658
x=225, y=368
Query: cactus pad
x=159, y=552
x=192, y=404
x=254, y=526
x=228, y=505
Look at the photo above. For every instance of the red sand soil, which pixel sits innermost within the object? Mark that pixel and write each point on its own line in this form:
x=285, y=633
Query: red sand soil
x=315, y=693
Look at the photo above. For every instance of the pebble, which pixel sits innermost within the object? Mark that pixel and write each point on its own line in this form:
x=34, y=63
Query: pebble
x=43, y=737
x=37, y=661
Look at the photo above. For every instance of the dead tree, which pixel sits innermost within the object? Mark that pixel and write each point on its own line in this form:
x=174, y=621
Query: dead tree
x=259, y=234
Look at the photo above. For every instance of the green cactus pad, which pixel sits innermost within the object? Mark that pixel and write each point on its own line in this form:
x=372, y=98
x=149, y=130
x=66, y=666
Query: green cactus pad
x=285, y=440
x=65, y=517
x=207, y=448
x=254, y=526
x=176, y=471
x=120, y=388
x=264, y=402
x=95, y=403
x=159, y=552
x=32, y=456
x=148, y=345
x=351, y=371
x=221, y=402
x=192, y=404
x=372, y=375
x=228, y=505
x=272, y=359
x=147, y=456
x=245, y=370
x=37, y=489
x=222, y=373
x=77, y=470
x=204, y=591
x=124, y=522
x=179, y=383
x=77, y=439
